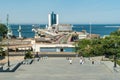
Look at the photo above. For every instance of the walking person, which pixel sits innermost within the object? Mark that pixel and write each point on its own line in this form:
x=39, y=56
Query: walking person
x=70, y=60
x=37, y=56
x=81, y=61
x=92, y=61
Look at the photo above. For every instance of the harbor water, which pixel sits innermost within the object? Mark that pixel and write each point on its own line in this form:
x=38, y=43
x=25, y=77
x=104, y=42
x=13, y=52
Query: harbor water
x=101, y=29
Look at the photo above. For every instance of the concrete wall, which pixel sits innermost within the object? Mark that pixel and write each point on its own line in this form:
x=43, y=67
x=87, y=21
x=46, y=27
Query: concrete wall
x=36, y=47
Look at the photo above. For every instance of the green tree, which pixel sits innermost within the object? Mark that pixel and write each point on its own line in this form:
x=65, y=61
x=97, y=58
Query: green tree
x=2, y=53
x=115, y=33
x=96, y=47
x=82, y=47
x=93, y=47
x=28, y=55
x=116, y=36
x=3, y=30
x=109, y=45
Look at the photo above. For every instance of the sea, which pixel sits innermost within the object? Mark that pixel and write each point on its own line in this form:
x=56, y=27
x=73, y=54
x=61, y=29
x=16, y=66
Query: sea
x=101, y=29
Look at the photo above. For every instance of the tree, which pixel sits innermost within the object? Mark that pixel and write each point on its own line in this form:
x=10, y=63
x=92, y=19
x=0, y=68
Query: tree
x=115, y=33
x=82, y=47
x=97, y=47
x=74, y=37
x=2, y=53
x=91, y=47
x=109, y=45
x=3, y=30
x=28, y=55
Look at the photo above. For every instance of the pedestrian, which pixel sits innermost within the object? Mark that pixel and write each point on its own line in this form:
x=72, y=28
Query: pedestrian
x=37, y=56
x=70, y=60
x=81, y=61
x=67, y=58
x=92, y=61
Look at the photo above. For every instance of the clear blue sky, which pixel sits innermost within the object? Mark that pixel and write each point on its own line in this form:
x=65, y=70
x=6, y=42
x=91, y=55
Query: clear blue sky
x=70, y=11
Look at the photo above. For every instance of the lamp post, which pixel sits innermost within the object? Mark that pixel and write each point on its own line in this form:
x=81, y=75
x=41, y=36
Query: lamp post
x=115, y=56
x=8, y=53
x=8, y=36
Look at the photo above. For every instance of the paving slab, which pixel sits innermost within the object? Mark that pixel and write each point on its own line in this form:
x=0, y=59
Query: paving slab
x=60, y=69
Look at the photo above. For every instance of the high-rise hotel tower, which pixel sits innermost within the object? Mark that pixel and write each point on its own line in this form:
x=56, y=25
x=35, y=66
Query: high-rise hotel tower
x=53, y=19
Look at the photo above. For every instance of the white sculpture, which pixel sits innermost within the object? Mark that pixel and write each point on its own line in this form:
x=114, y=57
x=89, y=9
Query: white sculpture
x=19, y=30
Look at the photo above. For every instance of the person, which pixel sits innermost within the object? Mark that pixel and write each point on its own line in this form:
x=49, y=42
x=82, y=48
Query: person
x=67, y=58
x=81, y=61
x=92, y=61
x=37, y=56
x=70, y=60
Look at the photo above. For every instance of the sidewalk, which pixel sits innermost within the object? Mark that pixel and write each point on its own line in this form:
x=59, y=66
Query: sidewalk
x=110, y=66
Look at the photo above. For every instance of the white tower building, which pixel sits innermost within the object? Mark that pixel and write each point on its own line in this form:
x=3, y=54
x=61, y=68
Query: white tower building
x=53, y=19
x=57, y=18
x=49, y=20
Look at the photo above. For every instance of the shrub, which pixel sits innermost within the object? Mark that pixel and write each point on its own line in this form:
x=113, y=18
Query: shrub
x=2, y=53
x=28, y=55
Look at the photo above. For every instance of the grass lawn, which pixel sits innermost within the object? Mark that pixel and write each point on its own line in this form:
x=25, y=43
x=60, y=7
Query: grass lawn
x=118, y=62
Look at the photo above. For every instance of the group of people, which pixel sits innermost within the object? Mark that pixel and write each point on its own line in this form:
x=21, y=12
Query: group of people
x=81, y=60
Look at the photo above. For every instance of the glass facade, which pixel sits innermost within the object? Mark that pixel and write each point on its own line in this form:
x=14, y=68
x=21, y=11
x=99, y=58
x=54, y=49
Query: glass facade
x=53, y=18
x=57, y=49
x=47, y=49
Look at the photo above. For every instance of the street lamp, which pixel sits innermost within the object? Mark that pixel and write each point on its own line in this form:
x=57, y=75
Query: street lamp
x=9, y=33
x=8, y=52
x=8, y=40
x=115, y=56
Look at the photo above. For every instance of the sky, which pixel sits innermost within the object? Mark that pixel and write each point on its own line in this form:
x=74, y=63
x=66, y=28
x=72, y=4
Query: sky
x=70, y=11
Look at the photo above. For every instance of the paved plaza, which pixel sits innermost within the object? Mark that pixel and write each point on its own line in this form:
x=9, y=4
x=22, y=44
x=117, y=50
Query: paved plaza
x=60, y=69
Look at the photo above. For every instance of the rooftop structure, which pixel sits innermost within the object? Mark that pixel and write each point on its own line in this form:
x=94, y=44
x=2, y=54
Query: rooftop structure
x=63, y=27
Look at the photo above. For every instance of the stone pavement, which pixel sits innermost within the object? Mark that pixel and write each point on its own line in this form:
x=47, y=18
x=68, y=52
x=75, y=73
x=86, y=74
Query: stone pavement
x=60, y=69
x=110, y=66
